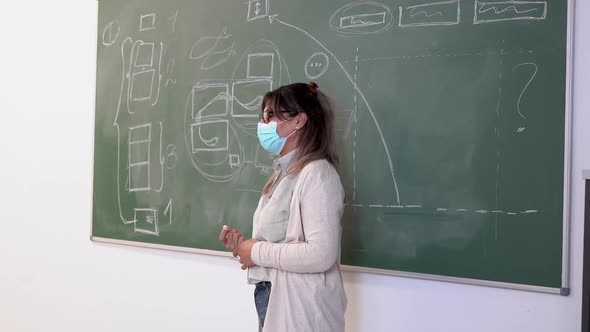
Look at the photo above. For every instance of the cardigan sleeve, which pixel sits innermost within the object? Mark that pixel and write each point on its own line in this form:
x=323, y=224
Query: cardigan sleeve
x=321, y=206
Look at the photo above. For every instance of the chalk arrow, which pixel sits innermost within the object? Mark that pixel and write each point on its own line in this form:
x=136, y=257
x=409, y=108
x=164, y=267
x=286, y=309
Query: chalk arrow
x=271, y=18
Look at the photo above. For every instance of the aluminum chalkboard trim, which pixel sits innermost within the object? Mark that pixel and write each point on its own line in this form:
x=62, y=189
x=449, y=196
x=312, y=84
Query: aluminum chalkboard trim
x=162, y=246
x=475, y=282
x=567, y=163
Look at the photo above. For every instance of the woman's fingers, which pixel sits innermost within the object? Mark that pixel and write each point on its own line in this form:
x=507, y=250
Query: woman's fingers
x=229, y=241
x=233, y=238
x=237, y=239
x=223, y=234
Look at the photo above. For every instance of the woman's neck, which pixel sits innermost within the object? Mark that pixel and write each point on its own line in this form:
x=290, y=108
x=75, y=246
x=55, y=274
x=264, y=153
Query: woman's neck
x=289, y=146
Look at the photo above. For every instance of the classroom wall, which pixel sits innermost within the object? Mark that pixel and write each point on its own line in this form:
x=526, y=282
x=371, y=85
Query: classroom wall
x=53, y=278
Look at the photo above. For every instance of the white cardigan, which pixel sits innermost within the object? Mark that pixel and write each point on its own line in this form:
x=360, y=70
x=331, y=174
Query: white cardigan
x=307, y=289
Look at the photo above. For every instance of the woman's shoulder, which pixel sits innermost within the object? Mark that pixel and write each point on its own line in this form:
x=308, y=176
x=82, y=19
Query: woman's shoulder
x=320, y=169
x=319, y=166
x=321, y=176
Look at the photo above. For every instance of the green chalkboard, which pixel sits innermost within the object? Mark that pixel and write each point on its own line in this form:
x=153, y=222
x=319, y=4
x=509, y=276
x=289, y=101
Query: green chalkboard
x=452, y=125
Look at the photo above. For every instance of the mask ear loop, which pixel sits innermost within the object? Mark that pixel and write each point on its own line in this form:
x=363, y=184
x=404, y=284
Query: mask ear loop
x=294, y=131
x=296, y=128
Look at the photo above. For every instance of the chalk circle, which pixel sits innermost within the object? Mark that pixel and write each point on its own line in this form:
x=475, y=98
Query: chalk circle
x=316, y=65
x=361, y=18
x=110, y=33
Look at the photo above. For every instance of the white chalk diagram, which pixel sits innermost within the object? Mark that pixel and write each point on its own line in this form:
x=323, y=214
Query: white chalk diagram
x=221, y=115
x=432, y=14
x=218, y=112
x=141, y=171
x=213, y=51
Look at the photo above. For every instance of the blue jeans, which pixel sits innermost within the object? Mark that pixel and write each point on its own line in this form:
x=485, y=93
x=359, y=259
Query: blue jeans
x=261, y=296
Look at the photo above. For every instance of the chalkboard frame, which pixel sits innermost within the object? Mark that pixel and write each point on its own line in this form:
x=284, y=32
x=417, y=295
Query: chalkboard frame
x=586, y=255
x=564, y=290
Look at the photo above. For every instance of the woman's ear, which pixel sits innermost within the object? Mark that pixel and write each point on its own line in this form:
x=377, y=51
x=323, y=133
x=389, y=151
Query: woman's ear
x=301, y=120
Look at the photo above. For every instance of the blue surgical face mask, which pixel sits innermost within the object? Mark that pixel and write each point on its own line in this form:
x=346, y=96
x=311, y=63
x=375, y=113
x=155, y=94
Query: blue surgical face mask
x=269, y=137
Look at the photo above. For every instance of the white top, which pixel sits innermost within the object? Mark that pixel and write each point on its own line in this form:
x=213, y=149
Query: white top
x=307, y=289
x=586, y=174
x=272, y=214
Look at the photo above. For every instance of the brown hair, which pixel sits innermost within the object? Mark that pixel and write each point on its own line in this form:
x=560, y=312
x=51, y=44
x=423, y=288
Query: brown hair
x=316, y=138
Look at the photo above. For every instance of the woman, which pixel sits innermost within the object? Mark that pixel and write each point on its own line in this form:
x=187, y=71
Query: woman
x=295, y=245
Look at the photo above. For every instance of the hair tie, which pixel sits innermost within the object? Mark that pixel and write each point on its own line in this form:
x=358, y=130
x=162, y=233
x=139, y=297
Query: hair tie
x=313, y=88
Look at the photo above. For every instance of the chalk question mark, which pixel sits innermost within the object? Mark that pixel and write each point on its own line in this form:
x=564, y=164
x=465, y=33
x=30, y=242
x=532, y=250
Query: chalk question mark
x=536, y=68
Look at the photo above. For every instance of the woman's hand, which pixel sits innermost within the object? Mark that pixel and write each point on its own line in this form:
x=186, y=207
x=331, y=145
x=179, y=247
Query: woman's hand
x=244, y=251
x=230, y=238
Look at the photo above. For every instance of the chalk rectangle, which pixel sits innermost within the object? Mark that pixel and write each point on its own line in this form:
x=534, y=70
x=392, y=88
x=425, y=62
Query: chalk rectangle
x=247, y=97
x=210, y=136
x=362, y=20
x=210, y=99
x=260, y=65
x=487, y=12
x=432, y=14
x=139, y=177
x=142, y=85
x=139, y=153
x=257, y=9
x=144, y=55
x=146, y=221
x=141, y=133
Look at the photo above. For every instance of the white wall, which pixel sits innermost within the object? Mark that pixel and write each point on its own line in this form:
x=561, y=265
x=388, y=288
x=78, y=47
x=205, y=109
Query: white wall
x=52, y=278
